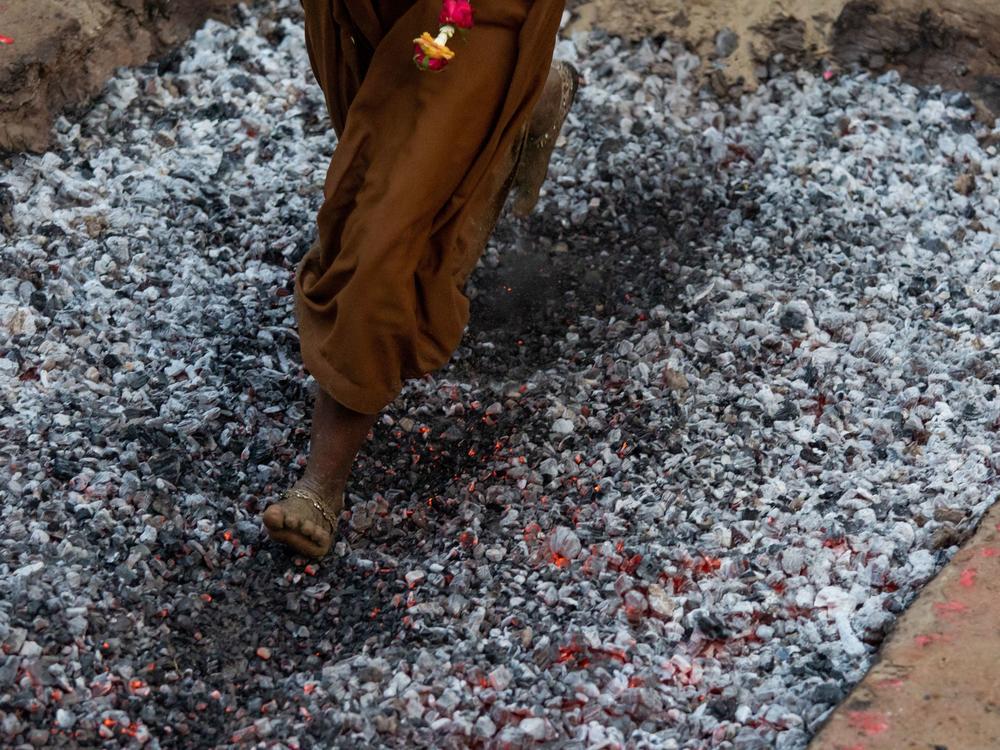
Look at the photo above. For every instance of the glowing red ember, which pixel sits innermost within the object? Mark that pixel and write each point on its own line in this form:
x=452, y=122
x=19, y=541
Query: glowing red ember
x=708, y=565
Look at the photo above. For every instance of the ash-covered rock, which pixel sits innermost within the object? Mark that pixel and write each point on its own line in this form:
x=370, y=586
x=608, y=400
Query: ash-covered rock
x=727, y=401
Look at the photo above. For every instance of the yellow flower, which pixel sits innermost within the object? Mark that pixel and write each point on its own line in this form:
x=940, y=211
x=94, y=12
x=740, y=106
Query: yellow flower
x=430, y=47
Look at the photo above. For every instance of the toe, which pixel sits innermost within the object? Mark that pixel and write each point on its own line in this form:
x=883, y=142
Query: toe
x=274, y=517
x=322, y=537
x=317, y=533
x=308, y=530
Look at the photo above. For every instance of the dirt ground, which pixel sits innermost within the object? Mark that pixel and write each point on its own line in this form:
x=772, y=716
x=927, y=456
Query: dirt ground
x=955, y=43
x=61, y=54
x=64, y=52
x=929, y=688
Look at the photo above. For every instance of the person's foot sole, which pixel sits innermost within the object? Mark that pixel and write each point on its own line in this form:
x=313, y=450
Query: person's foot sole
x=533, y=164
x=304, y=520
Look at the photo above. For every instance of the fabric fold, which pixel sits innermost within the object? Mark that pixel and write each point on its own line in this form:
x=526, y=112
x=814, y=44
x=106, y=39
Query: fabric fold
x=414, y=185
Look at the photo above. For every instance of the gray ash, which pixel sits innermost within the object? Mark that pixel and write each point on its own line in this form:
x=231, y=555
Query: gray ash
x=727, y=400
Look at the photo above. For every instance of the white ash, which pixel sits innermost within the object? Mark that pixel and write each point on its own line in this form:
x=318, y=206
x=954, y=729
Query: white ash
x=672, y=497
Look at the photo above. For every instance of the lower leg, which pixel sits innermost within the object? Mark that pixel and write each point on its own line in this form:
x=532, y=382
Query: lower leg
x=547, y=112
x=337, y=435
x=305, y=518
x=542, y=131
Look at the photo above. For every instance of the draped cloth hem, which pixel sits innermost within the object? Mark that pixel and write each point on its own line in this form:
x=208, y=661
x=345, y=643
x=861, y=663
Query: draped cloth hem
x=412, y=192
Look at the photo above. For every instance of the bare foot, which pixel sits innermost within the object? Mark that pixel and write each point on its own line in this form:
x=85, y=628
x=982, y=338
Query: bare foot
x=305, y=519
x=543, y=130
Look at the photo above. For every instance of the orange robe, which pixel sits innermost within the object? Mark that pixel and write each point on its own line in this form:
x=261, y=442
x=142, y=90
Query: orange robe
x=419, y=173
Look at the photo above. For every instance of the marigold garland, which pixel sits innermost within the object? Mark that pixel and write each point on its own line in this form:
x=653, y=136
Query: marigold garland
x=432, y=53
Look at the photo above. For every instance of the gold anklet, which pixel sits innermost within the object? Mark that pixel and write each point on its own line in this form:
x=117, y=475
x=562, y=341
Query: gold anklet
x=316, y=501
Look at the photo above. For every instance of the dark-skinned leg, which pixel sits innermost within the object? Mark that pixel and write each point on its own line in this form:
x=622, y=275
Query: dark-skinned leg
x=337, y=435
x=543, y=129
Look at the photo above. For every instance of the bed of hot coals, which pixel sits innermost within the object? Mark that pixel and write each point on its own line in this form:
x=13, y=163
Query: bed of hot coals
x=727, y=401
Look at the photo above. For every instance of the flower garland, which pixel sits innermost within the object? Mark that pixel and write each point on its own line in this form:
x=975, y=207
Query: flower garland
x=432, y=53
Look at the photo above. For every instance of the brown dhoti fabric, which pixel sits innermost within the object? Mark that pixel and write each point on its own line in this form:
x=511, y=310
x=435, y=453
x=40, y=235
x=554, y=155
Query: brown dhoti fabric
x=413, y=183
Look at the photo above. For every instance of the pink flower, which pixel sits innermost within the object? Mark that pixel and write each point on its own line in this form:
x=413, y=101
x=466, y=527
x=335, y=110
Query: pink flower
x=426, y=62
x=457, y=13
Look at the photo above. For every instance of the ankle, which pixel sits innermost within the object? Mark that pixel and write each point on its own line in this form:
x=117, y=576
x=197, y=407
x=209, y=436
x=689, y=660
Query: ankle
x=326, y=486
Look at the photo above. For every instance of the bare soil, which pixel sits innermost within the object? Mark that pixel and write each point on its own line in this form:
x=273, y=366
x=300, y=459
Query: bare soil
x=63, y=53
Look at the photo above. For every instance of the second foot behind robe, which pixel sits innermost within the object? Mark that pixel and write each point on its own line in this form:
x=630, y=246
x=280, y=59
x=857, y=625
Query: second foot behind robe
x=412, y=190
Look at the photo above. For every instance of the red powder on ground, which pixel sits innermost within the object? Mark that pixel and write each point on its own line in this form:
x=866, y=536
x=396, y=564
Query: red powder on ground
x=944, y=609
x=869, y=722
x=891, y=682
x=968, y=577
